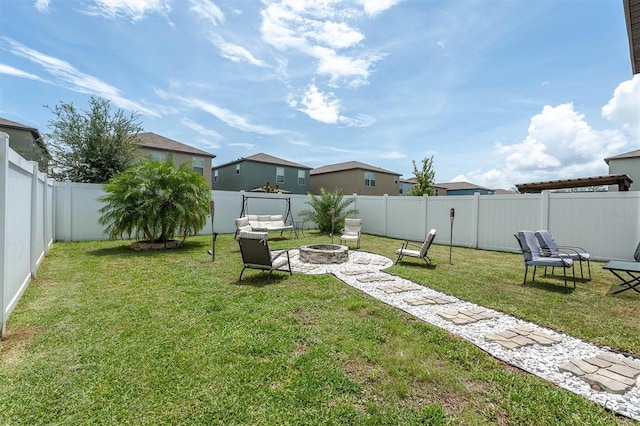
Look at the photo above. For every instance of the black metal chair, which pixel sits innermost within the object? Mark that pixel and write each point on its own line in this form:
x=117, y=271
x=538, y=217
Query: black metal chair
x=254, y=247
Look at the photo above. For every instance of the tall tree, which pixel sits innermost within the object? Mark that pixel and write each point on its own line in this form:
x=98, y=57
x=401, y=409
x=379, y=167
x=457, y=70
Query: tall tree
x=91, y=145
x=425, y=178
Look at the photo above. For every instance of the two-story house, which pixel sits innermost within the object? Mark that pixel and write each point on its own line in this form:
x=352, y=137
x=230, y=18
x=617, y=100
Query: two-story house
x=460, y=188
x=354, y=177
x=253, y=172
x=628, y=164
x=160, y=148
x=27, y=142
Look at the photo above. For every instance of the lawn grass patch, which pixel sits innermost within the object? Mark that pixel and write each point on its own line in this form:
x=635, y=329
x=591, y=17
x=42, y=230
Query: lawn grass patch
x=107, y=335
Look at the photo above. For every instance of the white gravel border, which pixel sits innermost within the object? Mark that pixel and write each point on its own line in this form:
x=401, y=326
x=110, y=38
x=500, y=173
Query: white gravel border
x=542, y=361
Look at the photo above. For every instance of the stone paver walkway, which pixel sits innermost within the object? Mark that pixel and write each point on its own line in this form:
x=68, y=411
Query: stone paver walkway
x=467, y=316
x=605, y=372
x=522, y=336
x=596, y=373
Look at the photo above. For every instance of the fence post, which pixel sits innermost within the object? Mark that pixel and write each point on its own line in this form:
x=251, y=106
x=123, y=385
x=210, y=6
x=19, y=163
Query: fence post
x=33, y=250
x=4, y=174
x=544, y=213
x=475, y=217
x=425, y=227
x=67, y=209
x=45, y=215
x=386, y=214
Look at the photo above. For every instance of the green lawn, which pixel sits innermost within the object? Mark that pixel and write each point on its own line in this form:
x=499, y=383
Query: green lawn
x=106, y=335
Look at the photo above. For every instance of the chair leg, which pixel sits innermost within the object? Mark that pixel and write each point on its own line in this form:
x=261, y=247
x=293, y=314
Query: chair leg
x=399, y=257
x=526, y=270
x=241, y=272
x=535, y=268
x=589, y=268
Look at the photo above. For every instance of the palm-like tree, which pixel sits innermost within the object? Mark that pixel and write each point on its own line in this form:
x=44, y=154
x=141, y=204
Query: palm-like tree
x=329, y=210
x=155, y=201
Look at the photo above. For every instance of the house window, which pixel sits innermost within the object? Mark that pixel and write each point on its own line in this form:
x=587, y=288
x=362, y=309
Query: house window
x=301, y=177
x=215, y=175
x=157, y=156
x=395, y=180
x=198, y=165
x=369, y=179
x=279, y=174
x=238, y=169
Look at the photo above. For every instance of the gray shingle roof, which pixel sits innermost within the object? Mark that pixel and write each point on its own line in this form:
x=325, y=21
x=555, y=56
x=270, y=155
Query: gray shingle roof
x=266, y=158
x=350, y=165
x=154, y=141
x=452, y=186
x=630, y=154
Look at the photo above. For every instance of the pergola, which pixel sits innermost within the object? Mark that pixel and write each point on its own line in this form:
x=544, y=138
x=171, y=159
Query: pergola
x=623, y=181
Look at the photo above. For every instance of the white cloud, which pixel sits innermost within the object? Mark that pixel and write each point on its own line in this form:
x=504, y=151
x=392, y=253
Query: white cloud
x=243, y=145
x=9, y=70
x=207, y=10
x=374, y=7
x=42, y=5
x=325, y=107
x=560, y=144
x=235, y=52
x=321, y=30
x=624, y=107
x=71, y=78
x=228, y=117
x=201, y=129
x=319, y=106
x=135, y=10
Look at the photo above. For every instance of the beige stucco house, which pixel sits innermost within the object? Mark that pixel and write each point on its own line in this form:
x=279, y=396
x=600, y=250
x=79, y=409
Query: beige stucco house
x=160, y=148
x=354, y=177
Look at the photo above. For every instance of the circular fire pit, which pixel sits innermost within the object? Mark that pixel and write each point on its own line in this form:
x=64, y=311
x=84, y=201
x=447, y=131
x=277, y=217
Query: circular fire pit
x=324, y=253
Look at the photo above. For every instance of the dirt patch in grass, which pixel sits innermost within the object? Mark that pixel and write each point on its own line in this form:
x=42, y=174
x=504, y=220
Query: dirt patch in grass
x=16, y=343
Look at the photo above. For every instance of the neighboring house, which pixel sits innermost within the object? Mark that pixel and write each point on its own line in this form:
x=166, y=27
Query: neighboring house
x=406, y=185
x=632, y=17
x=354, y=177
x=461, y=188
x=628, y=164
x=160, y=148
x=253, y=172
x=27, y=142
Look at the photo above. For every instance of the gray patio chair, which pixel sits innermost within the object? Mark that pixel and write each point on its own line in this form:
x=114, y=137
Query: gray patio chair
x=550, y=247
x=254, y=247
x=533, y=256
x=351, y=231
x=422, y=250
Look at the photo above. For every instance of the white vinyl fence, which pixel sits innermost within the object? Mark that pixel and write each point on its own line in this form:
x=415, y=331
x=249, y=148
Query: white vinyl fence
x=607, y=224
x=26, y=225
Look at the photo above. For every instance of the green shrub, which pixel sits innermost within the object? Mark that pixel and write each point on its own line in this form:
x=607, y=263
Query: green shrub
x=329, y=210
x=155, y=201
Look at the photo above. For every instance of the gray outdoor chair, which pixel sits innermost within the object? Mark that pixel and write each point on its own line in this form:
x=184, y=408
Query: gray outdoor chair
x=254, y=247
x=351, y=231
x=533, y=256
x=550, y=247
x=422, y=250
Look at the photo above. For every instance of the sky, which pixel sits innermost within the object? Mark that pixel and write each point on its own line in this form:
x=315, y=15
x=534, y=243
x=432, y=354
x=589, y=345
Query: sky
x=498, y=92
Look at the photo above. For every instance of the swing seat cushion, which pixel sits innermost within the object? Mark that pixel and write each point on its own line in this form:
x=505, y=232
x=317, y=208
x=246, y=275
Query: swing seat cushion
x=266, y=222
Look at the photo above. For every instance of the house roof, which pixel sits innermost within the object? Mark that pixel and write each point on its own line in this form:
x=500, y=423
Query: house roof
x=154, y=141
x=632, y=17
x=350, y=165
x=19, y=126
x=457, y=186
x=623, y=181
x=266, y=158
x=630, y=154
x=411, y=181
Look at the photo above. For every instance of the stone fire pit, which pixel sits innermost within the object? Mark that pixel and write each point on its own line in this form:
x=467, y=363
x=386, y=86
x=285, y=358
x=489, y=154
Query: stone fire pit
x=324, y=253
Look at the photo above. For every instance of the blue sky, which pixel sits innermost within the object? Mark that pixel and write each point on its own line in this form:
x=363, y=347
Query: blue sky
x=499, y=92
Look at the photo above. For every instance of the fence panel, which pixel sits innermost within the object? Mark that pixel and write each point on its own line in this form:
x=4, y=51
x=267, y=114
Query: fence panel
x=407, y=218
x=23, y=226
